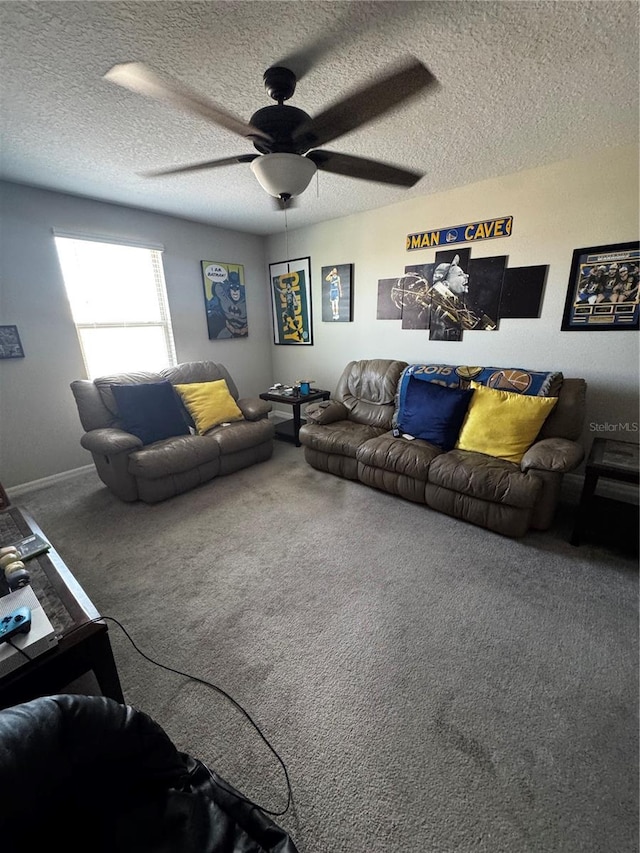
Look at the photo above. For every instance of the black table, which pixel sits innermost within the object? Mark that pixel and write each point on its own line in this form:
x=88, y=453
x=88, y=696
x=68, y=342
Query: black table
x=83, y=645
x=290, y=430
x=609, y=458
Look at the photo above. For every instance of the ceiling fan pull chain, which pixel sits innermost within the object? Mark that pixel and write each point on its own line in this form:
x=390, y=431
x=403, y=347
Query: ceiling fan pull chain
x=286, y=231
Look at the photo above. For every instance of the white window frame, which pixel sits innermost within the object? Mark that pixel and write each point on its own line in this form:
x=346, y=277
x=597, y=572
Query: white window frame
x=164, y=321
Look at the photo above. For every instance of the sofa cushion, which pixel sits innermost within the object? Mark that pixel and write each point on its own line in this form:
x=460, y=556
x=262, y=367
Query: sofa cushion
x=433, y=412
x=151, y=411
x=173, y=456
x=398, y=455
x=484, y=477
x=209, y=404
x=367, y=389
x=241, y=436
x=342, y=438
x=503, y=424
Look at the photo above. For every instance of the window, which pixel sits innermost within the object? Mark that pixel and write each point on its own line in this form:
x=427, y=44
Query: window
x=119, y=304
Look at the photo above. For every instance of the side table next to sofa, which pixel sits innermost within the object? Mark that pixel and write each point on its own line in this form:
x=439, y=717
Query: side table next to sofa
x=290, y=430
x=613, y=460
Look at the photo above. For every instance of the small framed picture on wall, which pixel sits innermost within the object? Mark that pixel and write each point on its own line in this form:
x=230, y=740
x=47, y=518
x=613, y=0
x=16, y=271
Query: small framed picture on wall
x=337, y=293
x=10, y=344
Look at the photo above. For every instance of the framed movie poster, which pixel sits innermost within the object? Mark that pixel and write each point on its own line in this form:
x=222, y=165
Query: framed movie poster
x=225, y=300
x=290, y=284
x=337, y=293
x=10, y=344
x=603, y=289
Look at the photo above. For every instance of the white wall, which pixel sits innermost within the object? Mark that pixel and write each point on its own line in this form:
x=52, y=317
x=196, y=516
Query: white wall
x=556, y=209
x=39, y=426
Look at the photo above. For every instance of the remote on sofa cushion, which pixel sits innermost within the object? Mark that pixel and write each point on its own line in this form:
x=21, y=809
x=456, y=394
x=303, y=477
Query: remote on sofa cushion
x=150, y=410
x=209, y=404
x=502, y=423
x=433, y=412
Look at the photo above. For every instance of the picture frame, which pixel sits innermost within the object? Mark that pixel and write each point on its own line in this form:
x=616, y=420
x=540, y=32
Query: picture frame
x=337, y=293
x=291, y=308
x=10, y=343
x=225, y=300
x=602, y=294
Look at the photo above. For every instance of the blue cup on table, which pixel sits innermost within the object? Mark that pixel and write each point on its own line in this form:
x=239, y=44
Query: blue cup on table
x=305, y=388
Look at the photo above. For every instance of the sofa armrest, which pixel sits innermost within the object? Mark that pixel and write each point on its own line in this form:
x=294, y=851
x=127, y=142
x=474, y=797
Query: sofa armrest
x=110, y=442
x=553, y=454
x=253, y=408
x=326, y=412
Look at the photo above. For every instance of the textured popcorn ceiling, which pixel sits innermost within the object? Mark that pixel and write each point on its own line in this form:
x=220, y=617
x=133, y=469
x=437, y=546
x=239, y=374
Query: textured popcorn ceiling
x=522, y=84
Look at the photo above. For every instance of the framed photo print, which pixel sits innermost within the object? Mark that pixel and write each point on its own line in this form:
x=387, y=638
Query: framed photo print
x=290, y=284
x=10, y=345
x=603, y=289
x=337, y=293
x=225, y=300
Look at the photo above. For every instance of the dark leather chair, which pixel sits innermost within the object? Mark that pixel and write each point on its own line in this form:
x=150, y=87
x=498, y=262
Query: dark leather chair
x=81, y=773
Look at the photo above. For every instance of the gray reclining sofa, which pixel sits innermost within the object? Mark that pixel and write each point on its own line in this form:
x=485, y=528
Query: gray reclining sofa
x=352, y=436
x=154, y=472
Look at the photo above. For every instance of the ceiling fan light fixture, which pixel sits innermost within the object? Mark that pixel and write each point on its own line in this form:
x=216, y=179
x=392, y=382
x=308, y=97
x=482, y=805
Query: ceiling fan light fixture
x=283, y=174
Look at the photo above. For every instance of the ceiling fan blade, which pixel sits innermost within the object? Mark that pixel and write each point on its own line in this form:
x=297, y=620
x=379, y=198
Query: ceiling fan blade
x=366, y=170
x=365, y=104
x=207, y=164
x=139, y=78
x=346, y=25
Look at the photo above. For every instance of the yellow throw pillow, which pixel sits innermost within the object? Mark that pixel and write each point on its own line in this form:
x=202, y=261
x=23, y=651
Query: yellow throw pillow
x=503, y=424
x=209, y=404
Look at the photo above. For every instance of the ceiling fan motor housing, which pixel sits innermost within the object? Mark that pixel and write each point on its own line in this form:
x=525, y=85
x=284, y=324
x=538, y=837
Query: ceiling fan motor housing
x=280, y=123
x=279, y=82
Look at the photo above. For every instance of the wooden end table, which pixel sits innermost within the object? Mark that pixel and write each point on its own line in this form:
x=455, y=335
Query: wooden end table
x=83, y=645
x=609, y=458
x=290, y=430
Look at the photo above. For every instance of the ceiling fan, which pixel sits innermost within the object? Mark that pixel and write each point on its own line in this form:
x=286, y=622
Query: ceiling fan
x=287, y=137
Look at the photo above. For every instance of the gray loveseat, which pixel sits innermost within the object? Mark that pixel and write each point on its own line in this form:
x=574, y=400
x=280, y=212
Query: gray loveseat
x=154, y=472
x=352, y=436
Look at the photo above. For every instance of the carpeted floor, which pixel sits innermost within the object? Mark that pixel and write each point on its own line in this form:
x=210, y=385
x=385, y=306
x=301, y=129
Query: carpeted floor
x=431, y=686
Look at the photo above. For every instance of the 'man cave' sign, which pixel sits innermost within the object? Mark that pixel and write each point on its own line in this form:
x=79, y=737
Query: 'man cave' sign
x=469, y=233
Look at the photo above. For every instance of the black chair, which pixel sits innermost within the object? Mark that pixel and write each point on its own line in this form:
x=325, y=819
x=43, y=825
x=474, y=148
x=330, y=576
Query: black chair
x=83, y=773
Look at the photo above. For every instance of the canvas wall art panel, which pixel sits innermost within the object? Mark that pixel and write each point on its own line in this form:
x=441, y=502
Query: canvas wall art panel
x=522, y=291
x=387, y=308
x=225, y=300
x=337, y=293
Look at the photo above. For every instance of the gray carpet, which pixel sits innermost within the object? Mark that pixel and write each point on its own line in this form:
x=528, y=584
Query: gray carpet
x=431, y=686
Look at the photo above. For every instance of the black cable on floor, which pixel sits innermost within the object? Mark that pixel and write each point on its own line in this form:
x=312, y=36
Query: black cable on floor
x=222, y=693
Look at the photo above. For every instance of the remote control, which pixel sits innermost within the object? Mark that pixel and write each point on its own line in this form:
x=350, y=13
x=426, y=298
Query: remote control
x=18, y=622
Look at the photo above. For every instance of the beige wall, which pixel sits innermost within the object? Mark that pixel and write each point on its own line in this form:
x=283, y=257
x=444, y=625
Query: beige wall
x=556, y=209
x=39, y=426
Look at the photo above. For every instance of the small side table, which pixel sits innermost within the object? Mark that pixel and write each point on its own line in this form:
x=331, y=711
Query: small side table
x=615, y=460
x=290, y=430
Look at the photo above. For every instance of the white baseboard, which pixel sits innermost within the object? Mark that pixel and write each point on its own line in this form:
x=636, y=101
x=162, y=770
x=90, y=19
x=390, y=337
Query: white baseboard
x=25, y=488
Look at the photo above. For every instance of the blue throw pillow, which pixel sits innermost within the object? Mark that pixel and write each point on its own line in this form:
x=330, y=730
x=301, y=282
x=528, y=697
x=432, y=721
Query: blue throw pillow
x=150, y=410
x=433, y=412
